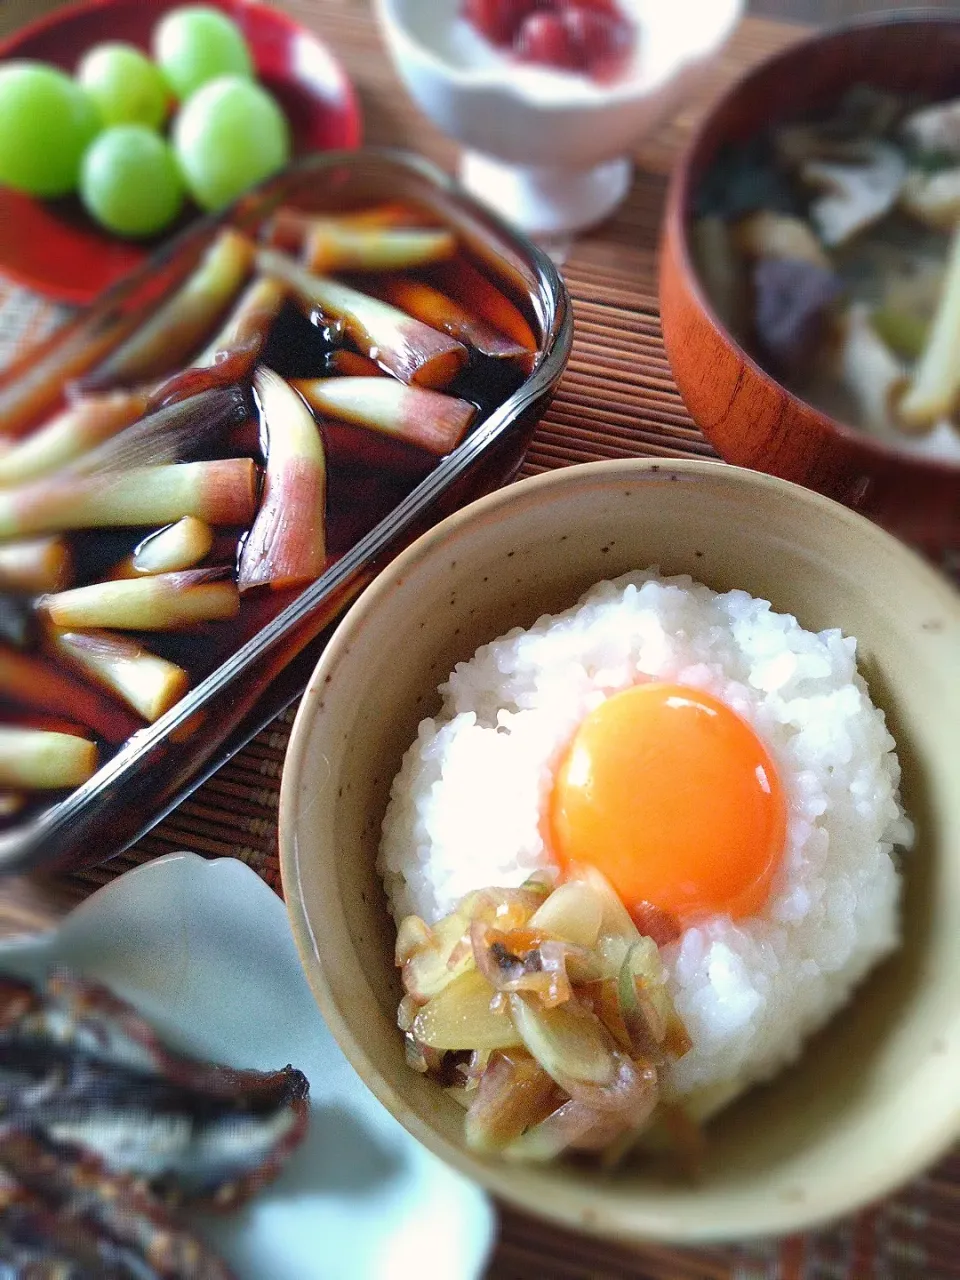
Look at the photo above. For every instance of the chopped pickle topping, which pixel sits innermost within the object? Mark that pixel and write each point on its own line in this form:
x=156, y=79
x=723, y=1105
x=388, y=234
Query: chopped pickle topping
x=546, y=1012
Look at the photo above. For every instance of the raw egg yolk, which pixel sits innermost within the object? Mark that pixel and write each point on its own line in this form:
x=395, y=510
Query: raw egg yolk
x=674, y=798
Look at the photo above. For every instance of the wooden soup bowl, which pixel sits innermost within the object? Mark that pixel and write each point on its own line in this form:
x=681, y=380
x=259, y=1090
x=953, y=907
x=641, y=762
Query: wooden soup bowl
x=747, y=415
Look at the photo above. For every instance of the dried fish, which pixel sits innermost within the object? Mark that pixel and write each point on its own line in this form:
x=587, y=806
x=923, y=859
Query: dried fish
x=133, y=1226
x=80, y=1066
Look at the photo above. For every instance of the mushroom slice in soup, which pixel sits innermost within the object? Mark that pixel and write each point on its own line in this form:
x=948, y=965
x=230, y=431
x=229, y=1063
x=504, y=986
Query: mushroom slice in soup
x=933, y=198
x=936, y=128
x=856, y=194
x=871, y=373
x=767, y=234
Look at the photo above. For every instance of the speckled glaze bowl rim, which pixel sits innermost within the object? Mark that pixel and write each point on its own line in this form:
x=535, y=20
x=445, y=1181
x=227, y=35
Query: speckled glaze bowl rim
x=679, y=205
x=685, y=1226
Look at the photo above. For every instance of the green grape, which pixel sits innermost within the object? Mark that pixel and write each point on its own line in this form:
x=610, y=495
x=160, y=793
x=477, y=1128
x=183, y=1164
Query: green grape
x=46, y=123
x=125, y=85
x=130, y=181
x=230, y=135
x=197, y=44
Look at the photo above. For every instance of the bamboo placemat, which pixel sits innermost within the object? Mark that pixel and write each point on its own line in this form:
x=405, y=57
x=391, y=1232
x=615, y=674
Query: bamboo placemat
x=617, y=399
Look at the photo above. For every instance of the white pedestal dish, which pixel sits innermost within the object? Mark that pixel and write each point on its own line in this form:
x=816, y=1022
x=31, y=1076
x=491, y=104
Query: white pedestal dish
x=548, y=150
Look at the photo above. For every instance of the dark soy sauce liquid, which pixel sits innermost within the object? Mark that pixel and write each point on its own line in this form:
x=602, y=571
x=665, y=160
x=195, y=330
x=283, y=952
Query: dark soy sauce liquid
x=361, y=491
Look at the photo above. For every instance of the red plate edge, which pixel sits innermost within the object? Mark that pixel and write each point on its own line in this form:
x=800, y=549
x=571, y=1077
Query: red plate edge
x=320, y=121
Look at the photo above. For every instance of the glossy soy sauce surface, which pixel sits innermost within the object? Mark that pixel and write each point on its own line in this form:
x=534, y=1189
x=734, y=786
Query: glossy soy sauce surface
x=367, y=475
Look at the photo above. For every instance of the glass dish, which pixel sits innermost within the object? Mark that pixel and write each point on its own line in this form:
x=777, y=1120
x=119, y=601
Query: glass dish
x=163, y=762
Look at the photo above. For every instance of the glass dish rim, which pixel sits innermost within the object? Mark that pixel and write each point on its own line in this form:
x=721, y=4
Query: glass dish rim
x=24, y=847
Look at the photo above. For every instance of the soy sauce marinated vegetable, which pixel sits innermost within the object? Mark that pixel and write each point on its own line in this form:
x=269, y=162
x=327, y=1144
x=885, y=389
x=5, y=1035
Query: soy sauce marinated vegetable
x=169, y=484
x=831, y=248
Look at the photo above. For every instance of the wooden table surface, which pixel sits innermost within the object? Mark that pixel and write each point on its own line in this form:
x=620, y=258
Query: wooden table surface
x=617, y=399
x=31, y=902
x=14, y=13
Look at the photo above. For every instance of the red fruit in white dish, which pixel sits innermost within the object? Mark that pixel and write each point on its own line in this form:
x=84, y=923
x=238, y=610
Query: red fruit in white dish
x=597, y=37
x=608, y=7
x=590, y=36
x=544, y=38
x=498, y=20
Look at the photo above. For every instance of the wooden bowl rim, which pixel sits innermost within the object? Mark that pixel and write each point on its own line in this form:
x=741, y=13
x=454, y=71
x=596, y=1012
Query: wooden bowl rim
x=676, y=226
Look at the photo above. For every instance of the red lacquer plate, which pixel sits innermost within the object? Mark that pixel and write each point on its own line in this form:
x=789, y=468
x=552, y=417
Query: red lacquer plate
x=52, y=246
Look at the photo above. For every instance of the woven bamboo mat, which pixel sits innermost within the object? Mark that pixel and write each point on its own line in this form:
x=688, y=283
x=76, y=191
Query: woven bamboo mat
x=617, y=399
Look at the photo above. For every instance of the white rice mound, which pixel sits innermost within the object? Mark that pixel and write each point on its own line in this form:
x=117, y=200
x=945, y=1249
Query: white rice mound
x=465, y=807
